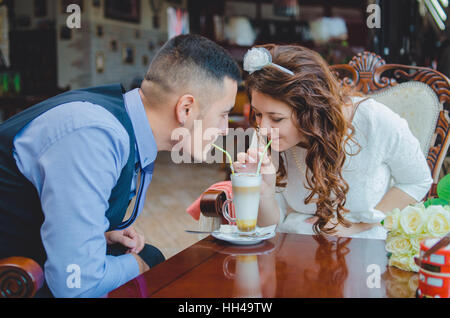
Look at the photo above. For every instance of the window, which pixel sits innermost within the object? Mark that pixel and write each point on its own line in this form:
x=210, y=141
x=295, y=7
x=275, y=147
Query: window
x=436, y=282
x=438, y=259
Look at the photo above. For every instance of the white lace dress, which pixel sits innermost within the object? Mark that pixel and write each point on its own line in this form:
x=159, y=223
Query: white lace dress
x=389, y=151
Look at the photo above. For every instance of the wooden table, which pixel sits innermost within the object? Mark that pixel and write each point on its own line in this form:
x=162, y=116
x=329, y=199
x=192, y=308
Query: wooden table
x=286, y=266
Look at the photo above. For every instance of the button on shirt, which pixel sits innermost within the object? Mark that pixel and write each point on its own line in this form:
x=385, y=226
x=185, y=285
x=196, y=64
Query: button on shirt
x=74, y=154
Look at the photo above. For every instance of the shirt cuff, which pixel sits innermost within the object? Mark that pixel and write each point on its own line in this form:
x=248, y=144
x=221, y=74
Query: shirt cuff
x=369, y=216
x=125, y=266
x=119, y=270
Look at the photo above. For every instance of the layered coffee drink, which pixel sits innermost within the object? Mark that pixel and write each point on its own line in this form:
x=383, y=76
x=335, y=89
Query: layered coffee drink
x=246, y=193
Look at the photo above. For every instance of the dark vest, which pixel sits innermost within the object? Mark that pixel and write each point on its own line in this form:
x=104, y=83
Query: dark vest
x=21, y=215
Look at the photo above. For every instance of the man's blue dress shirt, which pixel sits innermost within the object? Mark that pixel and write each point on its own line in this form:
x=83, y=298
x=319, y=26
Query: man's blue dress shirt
x=74, y=154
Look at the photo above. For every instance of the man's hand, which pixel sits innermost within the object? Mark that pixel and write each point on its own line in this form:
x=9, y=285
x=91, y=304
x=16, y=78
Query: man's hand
x=129, y=238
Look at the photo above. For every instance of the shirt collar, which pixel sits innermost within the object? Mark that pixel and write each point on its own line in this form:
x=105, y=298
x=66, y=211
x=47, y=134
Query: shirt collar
x=145, y=141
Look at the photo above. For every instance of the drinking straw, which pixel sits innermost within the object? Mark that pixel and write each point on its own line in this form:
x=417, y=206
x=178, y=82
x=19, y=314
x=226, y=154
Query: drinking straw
x=228, y=155
x=262, y=157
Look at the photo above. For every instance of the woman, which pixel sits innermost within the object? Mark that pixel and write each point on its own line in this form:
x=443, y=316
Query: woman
x=337, y=151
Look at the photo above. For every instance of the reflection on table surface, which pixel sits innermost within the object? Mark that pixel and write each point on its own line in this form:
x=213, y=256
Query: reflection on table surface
x=289, y=265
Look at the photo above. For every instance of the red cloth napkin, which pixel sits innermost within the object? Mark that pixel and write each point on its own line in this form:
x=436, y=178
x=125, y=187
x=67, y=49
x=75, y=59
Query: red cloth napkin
x=194, y=209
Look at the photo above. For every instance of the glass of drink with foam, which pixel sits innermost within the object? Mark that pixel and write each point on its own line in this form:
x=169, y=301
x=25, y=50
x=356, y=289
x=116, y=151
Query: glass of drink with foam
x=246, y=193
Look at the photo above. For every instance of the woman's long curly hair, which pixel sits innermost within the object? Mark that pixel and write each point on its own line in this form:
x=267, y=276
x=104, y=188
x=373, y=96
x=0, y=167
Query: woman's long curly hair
x=317, y=100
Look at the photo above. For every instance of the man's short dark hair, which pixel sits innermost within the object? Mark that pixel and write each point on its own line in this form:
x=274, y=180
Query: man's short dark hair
x=188, y=58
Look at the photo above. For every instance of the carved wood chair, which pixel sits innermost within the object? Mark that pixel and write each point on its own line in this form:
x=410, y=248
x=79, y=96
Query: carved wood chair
x=369, y=74
x=20, y=277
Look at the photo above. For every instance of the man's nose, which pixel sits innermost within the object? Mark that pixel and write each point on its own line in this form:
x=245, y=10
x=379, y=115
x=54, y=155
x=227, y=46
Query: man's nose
x=224, y=132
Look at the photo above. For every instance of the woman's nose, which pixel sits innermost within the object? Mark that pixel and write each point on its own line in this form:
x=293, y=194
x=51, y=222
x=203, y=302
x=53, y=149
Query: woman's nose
x=264, y=127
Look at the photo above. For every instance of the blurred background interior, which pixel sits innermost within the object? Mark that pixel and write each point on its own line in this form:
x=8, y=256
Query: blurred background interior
x=40, y=56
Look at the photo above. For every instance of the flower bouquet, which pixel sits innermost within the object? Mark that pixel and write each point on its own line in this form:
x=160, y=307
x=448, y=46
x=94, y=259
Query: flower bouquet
x=408, y=227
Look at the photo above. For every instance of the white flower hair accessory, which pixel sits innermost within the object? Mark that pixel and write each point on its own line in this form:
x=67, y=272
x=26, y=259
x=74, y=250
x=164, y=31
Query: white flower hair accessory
x=257, y=58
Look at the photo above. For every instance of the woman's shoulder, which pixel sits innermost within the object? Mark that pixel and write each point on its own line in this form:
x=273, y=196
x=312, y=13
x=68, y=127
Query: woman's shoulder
x=372, y=114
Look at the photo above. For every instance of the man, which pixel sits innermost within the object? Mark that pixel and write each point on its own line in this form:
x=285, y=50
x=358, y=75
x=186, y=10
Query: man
x=69, y=166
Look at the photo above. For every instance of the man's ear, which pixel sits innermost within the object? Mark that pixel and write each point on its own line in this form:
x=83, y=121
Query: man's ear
x=184, y=108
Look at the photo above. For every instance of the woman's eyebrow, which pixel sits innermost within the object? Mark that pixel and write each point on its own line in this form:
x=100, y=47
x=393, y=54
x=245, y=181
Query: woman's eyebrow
x=228, y=110
x=270, y=113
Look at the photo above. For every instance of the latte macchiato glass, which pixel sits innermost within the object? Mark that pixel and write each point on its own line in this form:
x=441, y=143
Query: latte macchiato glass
x=246, y=193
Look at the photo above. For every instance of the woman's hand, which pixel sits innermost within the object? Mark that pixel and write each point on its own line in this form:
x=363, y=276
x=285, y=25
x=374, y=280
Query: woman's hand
x=129, y=238
x=355, y=228
x=248, y=162
x=343, y=231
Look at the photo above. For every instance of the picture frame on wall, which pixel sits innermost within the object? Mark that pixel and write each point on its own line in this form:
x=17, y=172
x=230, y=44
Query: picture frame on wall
x=127, y=54
x=123, y=10
x=99, y=30
x=113, y=45
x=100, y=62
x=96, y=3
x=145, y=60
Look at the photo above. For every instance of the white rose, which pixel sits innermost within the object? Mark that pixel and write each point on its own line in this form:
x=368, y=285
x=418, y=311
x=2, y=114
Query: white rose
x=404, y=262
x=421, y=206
x=390, y=222
x=256, y=58
x=436, y=208
x=438, y=223
x=415, y=243
x=398, y=245
x=412, y=219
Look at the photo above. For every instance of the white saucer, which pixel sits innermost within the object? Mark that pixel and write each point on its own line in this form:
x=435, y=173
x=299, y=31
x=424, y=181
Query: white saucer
x=241, y=240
